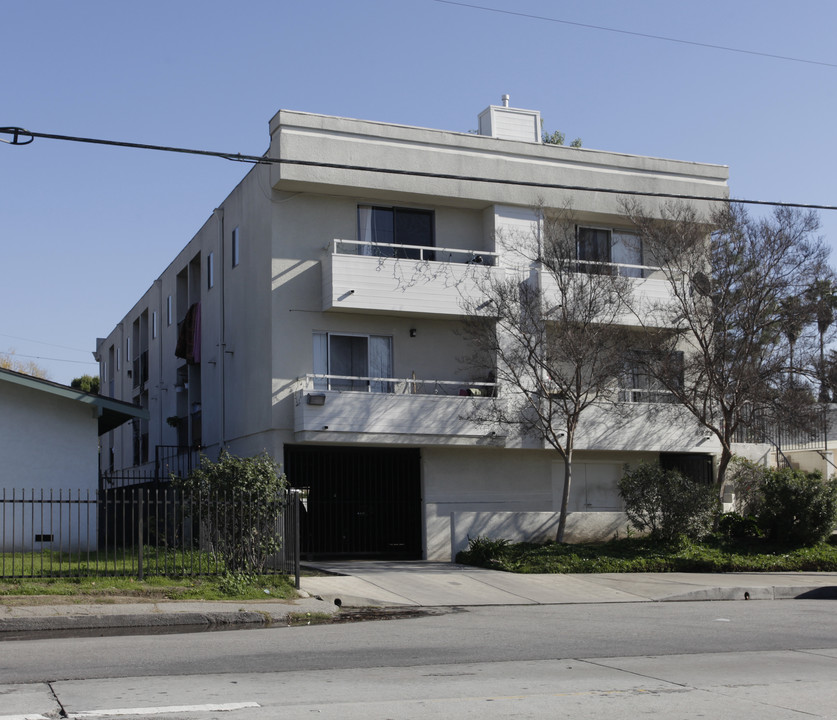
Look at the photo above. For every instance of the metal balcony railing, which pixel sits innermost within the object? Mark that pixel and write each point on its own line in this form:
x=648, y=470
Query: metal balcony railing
x=399, y=386
x=414, y=252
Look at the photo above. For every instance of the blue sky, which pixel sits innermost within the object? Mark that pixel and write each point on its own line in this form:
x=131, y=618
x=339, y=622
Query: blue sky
x=86, y=230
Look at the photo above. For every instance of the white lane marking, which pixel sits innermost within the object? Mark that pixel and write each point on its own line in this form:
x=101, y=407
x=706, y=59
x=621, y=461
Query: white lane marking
x=222, y=707
x=33, y=716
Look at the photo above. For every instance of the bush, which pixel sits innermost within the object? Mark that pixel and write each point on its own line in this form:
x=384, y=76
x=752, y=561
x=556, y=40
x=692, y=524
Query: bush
x=798, y=508
x=236, y=502
x=733, y=526
x=667, y=504
x=483, y=552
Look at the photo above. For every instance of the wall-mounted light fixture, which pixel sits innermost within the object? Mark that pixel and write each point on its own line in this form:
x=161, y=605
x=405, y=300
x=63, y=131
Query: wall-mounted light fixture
x=412, y=332
x=316, y=398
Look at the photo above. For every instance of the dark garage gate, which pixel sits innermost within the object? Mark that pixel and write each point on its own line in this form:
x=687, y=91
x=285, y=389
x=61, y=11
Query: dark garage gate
x=361, y=502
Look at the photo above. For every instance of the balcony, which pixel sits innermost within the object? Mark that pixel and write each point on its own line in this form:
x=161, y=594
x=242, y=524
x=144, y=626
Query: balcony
x=649, y=293
x=410, y=279
x=336, y=408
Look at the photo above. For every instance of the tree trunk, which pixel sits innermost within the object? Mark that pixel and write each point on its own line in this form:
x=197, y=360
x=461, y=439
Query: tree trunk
x=565, y=496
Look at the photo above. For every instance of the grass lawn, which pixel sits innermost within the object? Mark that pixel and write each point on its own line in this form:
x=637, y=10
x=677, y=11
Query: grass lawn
x=124, y=589
x=112, y=577
x=643, y=555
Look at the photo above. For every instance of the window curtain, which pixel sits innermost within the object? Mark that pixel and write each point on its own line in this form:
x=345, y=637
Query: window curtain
x=380, y=362
x=364, y=230
x=626, y=249
x=320, y=360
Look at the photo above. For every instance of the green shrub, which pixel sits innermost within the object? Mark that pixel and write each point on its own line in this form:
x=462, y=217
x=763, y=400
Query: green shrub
x=667, y=504
x=236, y=502
x=799, y=508
x=483, y=552
x=733, y=526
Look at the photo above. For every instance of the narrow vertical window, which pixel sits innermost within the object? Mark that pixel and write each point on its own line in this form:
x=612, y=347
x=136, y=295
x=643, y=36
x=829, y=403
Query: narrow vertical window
x=168, y=310
x=153, y=324
x=118, y=360
x=210, y=271
x=128, y=349
x=235, y=250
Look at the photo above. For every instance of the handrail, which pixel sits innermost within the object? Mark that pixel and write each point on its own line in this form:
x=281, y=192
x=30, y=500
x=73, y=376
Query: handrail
x=398, y=386
x=472, y=256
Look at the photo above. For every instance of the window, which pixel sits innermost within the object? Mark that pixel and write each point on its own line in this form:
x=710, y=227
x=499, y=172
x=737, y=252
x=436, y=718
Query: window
x=355, y=358
x=118, y=361
x=235, y=255
x=639, y=384
x=153, y=324
x=210, y=271
x=168, y=310
x=128, y=349
x=381, y=228
x=599, y=249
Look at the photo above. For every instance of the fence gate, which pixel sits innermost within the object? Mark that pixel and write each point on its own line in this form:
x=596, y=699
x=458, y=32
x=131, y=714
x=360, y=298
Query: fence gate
x=357, y=502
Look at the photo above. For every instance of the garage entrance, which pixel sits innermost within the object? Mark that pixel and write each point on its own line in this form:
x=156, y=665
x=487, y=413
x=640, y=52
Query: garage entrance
x=361, y=502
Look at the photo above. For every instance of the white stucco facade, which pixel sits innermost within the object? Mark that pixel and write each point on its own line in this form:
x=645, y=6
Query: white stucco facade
x=287, y=287
x=49, y=449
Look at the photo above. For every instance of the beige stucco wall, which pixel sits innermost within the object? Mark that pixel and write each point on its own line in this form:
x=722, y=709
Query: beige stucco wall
x=258, y=319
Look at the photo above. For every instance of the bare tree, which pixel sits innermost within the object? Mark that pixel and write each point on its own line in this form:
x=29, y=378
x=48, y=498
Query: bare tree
x=725, y=345
x=550, y=333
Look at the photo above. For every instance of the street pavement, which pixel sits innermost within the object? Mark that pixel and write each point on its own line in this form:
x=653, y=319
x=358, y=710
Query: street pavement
x=416, y=585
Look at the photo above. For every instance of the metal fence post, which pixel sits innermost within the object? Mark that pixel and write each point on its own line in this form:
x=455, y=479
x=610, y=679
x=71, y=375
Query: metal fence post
x=140, y=510
x=297, y=496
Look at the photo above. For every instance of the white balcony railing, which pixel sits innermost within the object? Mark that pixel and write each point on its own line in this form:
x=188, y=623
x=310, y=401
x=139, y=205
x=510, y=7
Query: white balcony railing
x=399, y=386
x=414, y=252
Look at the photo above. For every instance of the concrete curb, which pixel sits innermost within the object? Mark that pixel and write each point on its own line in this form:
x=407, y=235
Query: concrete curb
x=167, y=620
x=773, y=592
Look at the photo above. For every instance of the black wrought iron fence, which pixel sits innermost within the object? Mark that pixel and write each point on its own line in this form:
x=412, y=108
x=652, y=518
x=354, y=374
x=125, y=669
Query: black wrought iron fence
x=130, y=531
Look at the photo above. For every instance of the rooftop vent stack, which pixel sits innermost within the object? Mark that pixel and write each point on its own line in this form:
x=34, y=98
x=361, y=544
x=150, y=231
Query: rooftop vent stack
x=508, y=123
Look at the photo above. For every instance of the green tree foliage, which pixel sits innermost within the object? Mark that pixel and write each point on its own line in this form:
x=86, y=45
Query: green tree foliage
x=797, y=507
x=237, y=501
x=666, y=503
x=86, y=383
x=558, y=138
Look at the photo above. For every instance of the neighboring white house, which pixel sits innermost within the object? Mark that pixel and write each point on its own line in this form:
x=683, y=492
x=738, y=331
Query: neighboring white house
x=297, y=322
x=49, y=445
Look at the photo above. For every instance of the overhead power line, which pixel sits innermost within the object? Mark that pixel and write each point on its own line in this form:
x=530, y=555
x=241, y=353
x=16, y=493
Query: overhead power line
x=25, y=137
x=650, y=36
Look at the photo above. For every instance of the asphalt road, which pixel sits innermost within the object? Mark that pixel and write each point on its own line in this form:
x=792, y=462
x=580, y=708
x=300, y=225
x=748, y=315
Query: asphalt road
x=774, y=659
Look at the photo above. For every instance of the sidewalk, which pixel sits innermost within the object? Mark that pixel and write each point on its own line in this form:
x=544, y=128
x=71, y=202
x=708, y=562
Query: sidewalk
x=414, y=584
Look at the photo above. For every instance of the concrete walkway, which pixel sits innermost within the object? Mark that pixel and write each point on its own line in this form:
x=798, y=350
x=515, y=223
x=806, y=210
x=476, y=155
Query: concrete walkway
x=410, y=584
x=430, y=584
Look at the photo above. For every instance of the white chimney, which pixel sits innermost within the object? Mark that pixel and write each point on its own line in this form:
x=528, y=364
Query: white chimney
x=507, y=123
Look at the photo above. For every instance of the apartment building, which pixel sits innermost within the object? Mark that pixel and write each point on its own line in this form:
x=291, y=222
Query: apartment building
x=315, y=314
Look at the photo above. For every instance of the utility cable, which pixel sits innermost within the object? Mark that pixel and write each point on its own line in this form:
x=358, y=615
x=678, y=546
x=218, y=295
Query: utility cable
x=29, y=136
x=649, y=36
